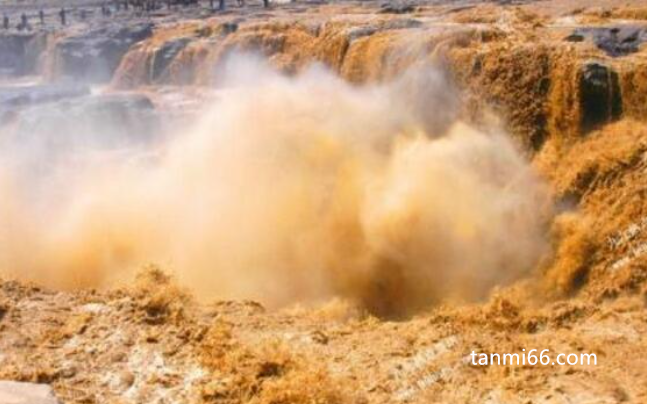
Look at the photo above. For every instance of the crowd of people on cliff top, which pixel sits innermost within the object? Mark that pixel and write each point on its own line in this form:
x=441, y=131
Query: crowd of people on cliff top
x=107, y=10
x=25, y=24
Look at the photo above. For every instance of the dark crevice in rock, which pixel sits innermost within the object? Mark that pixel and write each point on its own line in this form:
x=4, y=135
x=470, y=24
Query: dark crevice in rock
x=600, y=97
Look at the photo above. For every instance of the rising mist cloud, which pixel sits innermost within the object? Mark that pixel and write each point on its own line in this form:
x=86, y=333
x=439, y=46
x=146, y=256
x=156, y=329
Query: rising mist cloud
x=295, y=189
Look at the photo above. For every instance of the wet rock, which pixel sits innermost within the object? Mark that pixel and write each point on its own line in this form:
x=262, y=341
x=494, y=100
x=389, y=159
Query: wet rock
x=614, y=41
x=600, y=97
x=93, y=56
x=12, y=99
x=26, y=393
x=111, y=120
x=397, y=8
x=165, y=55
x=12, y=49
x=359, y=32
x=401, y=24
x=229, y=28
x=20, y=53
x=44, y=141
x=30, y=95
x=575, y=37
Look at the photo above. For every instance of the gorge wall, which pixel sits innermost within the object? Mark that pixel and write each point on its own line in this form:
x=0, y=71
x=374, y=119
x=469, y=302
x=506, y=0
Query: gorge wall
x=539, y=76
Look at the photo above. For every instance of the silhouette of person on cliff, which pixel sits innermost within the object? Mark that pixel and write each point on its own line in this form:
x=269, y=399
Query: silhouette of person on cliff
x=5, y=22
x=221, y=5
x=63, y=16
x=41, y=16
x=24, y=23
x=266, y=3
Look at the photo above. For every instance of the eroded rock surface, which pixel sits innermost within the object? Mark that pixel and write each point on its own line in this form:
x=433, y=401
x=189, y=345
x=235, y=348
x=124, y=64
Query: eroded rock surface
x=20, y=53
x=615, y=41
x=93, y=56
